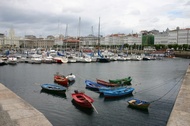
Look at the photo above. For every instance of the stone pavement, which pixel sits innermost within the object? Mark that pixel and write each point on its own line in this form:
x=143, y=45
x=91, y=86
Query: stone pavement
x=14, y=111
x=180, y=115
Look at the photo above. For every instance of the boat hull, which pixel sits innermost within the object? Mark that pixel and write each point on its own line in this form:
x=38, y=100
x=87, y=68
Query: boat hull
x=82, y=100
x=138, y=104
x=71, y=77
x=118, y=93
x=61, y=80
x=105, y=83
x=103, y=60
x=102, y=89
x=123, y=81
x=93, y=85
x=53, y=87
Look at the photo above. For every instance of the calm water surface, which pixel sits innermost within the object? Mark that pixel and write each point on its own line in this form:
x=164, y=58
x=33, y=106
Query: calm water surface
x=158, y=81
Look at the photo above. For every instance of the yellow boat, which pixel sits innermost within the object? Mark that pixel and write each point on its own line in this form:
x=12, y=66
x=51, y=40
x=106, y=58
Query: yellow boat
x=139, y=104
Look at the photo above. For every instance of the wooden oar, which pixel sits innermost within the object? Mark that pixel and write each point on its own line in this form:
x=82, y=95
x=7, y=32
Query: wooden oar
x=94, y=108
x=91, y=104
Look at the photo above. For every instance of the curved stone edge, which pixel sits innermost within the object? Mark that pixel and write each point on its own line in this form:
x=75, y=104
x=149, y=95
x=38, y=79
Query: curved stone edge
x=180, y=115
x=14, y=111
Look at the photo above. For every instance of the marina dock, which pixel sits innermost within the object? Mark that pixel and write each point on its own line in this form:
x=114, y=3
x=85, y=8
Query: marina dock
x=180, y=115
x=14, y=111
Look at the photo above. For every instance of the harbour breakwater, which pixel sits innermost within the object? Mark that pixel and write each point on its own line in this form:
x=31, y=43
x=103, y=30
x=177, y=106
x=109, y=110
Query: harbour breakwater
x=181, y=54
x=180, y=115
x=14, y=111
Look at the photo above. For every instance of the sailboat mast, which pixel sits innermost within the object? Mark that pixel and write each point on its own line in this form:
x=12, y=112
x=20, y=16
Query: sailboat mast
x=79, y=27
x=92, y=31
x=99, y=34
x=66, y=35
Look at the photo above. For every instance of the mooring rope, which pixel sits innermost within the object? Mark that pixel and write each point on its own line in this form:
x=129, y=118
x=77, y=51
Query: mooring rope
x=156, y=86
x=169, y=90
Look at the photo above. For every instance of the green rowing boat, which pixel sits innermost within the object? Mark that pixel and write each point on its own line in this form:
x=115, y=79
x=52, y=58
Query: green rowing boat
x=125, y=81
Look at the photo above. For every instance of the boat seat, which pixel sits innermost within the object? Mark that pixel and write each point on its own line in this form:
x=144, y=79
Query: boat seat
x=81, y=98
x=132, y=101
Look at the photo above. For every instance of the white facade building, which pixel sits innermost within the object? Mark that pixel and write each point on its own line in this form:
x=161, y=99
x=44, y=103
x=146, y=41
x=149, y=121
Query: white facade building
x=115, y=39
x=177, y=36
x=161, y=38
x=172, y=37
x=183, y=36
x=134, y=39
x=11, y=40
x=1, y=40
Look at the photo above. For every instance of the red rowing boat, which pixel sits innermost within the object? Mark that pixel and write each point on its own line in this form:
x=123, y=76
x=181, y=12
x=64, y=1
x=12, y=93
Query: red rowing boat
x=82, y=100
x=105, y=83
x=61, y=80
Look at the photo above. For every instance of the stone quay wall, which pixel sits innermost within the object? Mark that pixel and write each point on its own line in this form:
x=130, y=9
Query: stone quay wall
x=14, y=111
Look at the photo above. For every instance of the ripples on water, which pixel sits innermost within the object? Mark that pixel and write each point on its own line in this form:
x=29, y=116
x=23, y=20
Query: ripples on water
x=152, y=80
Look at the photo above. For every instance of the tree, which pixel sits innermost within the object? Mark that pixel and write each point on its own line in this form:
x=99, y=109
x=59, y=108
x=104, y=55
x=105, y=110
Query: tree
x=147, y=40
x=185, y=46
x=175, y=46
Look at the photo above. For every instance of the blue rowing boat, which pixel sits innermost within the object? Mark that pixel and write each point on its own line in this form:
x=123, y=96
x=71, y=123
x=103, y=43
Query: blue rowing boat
x=93, y=85
x=118, y=93
x=53, y=87
x=102, y=89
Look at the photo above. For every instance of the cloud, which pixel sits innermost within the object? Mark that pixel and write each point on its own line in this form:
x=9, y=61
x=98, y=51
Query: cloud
x=50, y=17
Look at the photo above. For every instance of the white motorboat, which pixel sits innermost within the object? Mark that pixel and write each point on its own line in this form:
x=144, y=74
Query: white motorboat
x=71, y=59
x=60, y=59
x=12, y=60
x=35, y=59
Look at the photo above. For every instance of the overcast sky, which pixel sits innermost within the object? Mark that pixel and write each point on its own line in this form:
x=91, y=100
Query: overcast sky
x=50, y=17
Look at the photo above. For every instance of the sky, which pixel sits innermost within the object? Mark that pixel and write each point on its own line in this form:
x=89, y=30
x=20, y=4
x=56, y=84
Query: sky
x=81, y=17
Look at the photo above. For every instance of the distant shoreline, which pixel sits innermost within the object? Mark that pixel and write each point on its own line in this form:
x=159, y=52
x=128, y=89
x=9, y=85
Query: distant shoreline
x=182, y=54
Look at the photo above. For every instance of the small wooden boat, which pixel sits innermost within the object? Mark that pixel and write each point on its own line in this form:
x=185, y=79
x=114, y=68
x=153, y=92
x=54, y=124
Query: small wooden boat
x=93, y=85
x=62, y=80
x=102, y=89
x=139, y=104
x=82, y=99
x=71, y=77
x=53, y=87
x=118, y=93
x=105, y=83
x=125, y=81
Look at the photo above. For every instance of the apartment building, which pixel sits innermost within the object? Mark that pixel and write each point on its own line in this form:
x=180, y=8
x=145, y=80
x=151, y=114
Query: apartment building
x=30, y=41
x=170, y=37
x=161, y=38
x=134, y=39
x=1, y=40
x=90, y=40
x=183, y=36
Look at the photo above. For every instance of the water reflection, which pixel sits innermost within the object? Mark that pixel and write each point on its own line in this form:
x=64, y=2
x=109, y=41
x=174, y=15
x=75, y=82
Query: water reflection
x=145, y=111
x=71, y=82
x=116, y=98
x=88, y=111
x=55, y=94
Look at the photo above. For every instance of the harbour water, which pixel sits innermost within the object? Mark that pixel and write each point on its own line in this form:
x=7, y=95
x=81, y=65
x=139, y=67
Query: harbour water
x=157, y=81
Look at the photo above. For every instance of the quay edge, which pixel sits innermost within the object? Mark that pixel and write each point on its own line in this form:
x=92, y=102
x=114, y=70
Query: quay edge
x=180, y=115
x=14, y=111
